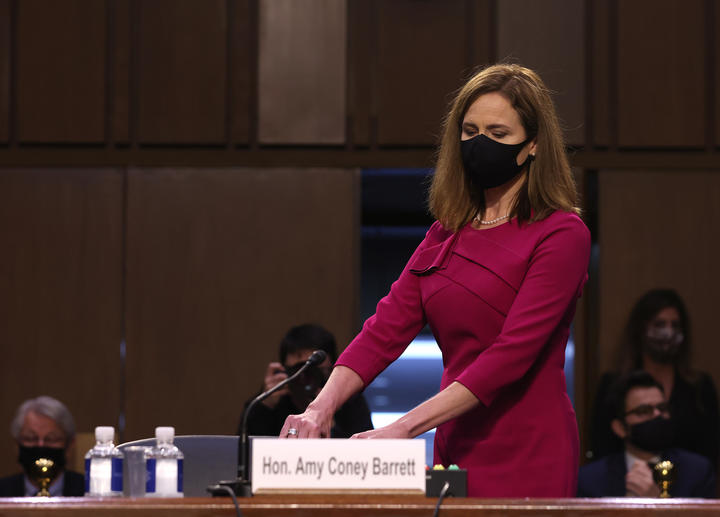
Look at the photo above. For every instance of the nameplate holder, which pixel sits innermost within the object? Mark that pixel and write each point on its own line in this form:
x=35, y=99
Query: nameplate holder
x=337, y=466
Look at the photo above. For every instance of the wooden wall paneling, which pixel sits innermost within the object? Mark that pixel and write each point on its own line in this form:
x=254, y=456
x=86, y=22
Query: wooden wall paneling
x=582, y=380
x=361, y=38
x=715, y=37
x=580, y=331
x=421, y=60
x=5, y=70
x=657, y=229
x=182, y=72
x=243, y=71
x=481, y=34
x=61, y=277
x=661, y=73
x=549, y=37
x=221, y=263
x=302, y=72
x=61, y=75
x=601, y=85
x=120, y=87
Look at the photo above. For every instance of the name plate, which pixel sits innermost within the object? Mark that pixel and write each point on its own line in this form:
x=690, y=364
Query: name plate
x=337, y=465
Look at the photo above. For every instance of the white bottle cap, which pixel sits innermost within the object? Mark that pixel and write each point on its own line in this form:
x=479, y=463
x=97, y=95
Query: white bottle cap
x=165, y=434
x=104, y=433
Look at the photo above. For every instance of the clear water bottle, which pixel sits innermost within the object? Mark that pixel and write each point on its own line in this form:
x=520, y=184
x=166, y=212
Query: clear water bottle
x=104, y=465
x=164, y=466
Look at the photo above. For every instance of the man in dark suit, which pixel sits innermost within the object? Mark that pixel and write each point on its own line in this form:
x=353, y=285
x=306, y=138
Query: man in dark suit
x=43, y=428
x=643, y=422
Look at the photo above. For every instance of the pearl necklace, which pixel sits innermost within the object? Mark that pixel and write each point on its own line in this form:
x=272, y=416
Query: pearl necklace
x=491, y=221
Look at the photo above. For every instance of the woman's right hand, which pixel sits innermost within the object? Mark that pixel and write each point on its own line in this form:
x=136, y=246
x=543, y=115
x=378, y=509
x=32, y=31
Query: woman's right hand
x=274, y=375
x=313, y=423
x=639, y=481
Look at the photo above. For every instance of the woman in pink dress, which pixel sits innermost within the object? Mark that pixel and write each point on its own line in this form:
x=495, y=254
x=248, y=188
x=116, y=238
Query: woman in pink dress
x=496, y=278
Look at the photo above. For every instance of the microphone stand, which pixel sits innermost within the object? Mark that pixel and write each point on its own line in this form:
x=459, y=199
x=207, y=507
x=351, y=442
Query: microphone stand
x=241, y=486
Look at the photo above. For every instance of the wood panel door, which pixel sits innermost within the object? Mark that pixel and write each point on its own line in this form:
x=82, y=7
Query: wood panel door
x=220, y=264
x=61, y=75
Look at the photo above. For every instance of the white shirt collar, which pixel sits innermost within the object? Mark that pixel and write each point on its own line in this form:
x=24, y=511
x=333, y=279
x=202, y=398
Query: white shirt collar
x=630, y=460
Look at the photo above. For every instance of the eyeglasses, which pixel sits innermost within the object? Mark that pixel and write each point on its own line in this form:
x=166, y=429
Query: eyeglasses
x=644, y=410
x=32, y=440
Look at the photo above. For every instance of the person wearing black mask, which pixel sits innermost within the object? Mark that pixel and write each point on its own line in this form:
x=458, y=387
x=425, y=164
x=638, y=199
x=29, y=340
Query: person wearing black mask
x=643, y=422
x=43, y=428
x=496, y=279
x=657, y=339
x=267, y=417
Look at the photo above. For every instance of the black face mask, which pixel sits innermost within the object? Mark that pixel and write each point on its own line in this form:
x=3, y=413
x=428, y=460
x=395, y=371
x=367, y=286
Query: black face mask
x=28, y=455
x=654, y=435
x=489, y=163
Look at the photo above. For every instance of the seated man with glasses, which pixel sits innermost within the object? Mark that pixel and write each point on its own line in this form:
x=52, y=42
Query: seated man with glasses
x=43, y=428
x=643, y=422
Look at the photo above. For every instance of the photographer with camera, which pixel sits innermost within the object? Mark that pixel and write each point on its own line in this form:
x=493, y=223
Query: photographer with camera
x=267, y=417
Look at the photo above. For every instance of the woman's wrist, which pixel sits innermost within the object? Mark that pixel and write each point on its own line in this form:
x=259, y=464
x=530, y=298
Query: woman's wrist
x=404, y=427
x=322, y=406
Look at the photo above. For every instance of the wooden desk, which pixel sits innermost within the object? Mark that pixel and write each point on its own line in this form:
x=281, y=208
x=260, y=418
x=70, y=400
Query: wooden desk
x=354, y=506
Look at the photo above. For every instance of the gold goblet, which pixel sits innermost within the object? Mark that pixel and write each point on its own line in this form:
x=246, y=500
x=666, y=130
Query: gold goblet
x=44, y=472
x=664, y=475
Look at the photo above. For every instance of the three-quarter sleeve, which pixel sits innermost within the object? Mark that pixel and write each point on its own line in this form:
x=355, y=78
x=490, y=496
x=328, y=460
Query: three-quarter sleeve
x=398, y=318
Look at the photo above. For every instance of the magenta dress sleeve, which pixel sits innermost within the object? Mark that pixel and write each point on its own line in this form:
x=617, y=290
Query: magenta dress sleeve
x=398, y=318
x=556, y=273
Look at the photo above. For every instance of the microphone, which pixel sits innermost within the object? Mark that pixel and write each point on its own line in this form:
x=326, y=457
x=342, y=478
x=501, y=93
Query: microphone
x=317, y=357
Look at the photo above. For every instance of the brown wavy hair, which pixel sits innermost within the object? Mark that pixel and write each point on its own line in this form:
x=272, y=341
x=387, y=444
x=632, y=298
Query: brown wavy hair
x=549, y=184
